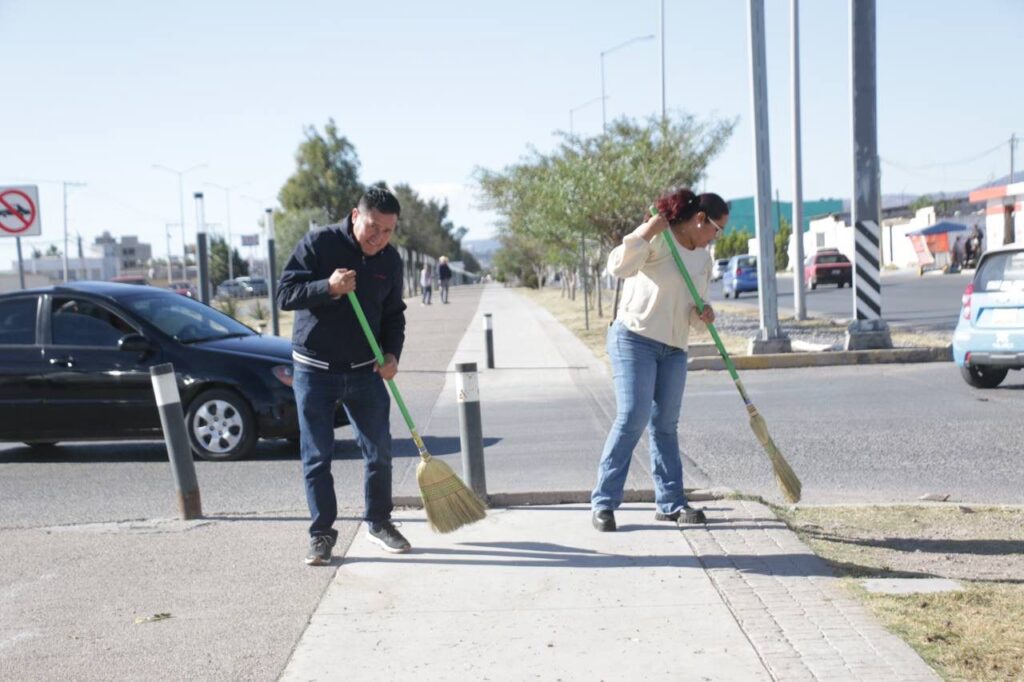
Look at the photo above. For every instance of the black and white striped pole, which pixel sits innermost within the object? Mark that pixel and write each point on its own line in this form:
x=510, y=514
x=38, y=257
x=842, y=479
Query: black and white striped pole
x=868, y=329
x=489, y=339
x=179, y=450
x=471, y=433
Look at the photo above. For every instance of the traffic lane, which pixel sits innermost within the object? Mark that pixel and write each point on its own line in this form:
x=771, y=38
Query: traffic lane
x=930, y=303
x=873, y=433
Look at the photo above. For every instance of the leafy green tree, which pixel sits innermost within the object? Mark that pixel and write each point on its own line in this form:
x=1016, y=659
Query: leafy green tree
x=53, y=251
x=327, y=174
x=782, y=245
x=291, y=226
x=219, y=261
x=732, y=244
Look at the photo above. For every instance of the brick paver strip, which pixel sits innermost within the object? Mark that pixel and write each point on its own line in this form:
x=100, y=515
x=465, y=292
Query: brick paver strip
x=802, y=622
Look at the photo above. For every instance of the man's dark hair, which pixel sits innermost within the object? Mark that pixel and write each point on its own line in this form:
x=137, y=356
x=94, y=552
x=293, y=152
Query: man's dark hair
x=380, y=199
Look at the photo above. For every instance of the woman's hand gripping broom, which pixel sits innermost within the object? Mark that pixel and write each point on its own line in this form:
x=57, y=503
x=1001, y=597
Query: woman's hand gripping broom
x=449, y=504
x=784, y=475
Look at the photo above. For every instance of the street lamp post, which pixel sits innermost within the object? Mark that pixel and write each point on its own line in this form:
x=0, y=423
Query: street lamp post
x=181, y=209
x=638, y=39
x=582, y=106
x=67, y=184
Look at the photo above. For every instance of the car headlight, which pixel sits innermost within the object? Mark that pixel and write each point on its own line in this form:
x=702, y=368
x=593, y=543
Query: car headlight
x=283, y=373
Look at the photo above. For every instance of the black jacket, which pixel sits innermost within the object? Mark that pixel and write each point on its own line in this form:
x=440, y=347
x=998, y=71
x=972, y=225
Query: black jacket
x=326, y=333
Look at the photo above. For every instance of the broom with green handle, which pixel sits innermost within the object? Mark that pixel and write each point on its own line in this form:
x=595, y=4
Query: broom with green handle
x=784, y=475
x=449, y=504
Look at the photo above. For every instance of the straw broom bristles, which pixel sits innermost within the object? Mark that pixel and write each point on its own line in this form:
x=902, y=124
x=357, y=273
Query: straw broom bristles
x=784, y=474
x=447, y=501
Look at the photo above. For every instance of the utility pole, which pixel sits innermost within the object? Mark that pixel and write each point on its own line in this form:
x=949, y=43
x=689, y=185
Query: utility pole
x=770, y=338
x=661, y=50
x=1013, y=147
x=799, y=304
x=868, y=329
x=67, y=184
x=227, y=203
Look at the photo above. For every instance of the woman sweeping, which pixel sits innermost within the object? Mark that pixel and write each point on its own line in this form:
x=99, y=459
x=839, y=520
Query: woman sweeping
x=647, y=345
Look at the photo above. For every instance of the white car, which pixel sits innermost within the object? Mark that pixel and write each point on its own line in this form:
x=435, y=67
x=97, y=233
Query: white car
x=718, y=269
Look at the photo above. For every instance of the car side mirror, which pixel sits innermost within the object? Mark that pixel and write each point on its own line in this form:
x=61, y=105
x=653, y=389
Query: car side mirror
x=134, y=343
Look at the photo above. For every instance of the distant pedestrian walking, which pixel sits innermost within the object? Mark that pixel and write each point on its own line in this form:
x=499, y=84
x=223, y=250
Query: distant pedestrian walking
x=647, y=346
x=426, y=282
x=444, y=277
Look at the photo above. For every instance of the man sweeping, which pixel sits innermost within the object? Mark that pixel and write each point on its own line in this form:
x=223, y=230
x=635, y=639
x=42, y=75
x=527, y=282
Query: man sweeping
x=334, y=362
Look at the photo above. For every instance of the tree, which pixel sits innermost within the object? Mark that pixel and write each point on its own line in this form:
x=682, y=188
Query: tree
x=219, y=261
x=53, y=251
x=595, y=188
x=291, y=226
x=782, y=245
x=732, y=244
x=327, y=175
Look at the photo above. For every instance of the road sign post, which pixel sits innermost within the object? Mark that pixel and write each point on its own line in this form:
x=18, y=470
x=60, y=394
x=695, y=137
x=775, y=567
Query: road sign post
x=19, y=217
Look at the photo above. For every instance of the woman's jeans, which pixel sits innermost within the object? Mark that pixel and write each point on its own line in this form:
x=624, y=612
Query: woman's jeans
x=444, y=290
x=366, y=402
x=426, y=295
x=649, y=381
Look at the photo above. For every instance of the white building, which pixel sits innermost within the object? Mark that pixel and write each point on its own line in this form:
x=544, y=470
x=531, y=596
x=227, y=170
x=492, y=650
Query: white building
x=131, y=254
x=1004, y=214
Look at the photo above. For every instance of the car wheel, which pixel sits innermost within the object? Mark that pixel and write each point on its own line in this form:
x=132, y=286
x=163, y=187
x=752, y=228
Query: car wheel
x=983, y=377
x=221, y=426
x=814, y=284
x=725, y=292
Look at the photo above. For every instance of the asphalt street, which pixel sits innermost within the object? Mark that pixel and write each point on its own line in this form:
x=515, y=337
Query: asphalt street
x=864, y=433
x=930, y=303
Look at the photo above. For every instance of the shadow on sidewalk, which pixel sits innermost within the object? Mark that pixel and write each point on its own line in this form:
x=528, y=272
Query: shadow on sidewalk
x=405, y=447
x=548, y=555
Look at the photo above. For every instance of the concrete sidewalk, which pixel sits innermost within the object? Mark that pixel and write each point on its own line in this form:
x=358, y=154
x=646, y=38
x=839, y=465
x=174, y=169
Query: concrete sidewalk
x=534, y=592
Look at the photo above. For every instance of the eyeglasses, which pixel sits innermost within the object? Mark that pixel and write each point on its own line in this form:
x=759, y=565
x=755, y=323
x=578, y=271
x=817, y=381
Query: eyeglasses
x=718, y=228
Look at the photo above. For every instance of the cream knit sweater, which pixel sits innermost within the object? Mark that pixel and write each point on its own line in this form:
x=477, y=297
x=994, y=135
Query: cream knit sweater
x=655, y=301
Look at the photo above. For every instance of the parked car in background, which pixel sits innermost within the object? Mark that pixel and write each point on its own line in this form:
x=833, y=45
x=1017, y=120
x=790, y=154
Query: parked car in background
x=75, y=365
x=231, y=288
x=254, y=286
x=183, y=288
x=740, y=275
x=718, y=269
x=828, y=266
x=989, y=337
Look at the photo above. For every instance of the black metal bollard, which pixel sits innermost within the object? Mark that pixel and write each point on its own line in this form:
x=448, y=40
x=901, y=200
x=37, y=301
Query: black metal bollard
x=471, y=435
x=489, y=339
x=179, y=450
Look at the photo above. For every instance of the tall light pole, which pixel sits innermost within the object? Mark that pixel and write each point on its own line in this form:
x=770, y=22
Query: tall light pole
x=67, y=184
x=661, y=50
x=181, y=209
x=227, y=203
x=638, y=39
x=799, y=304
x=582, y=106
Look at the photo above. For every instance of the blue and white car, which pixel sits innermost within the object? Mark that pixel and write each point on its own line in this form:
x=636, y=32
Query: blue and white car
x=989, y=337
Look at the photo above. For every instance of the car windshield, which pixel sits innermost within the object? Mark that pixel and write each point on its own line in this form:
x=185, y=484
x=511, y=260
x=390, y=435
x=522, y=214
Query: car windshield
x=1001, y=272
x=185, y=319
x=832, y=258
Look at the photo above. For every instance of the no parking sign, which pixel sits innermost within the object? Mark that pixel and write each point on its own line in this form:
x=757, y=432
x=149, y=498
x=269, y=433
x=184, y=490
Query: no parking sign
x=19, y=211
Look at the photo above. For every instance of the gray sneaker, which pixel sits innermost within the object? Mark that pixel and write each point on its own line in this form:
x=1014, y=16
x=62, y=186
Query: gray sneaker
x=320, y=547
x=387, y=536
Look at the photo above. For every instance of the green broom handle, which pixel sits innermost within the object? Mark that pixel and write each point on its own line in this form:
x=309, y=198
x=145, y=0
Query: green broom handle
x=380, y=360
x=700, y=309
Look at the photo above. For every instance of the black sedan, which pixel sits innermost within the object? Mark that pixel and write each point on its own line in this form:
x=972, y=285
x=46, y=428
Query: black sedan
x=75, y=361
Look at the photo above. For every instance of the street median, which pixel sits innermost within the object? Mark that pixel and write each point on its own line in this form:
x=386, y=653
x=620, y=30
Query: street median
x=826, y=358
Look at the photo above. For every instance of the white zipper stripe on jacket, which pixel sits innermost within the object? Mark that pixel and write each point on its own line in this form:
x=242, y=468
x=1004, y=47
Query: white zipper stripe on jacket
x=310, y=361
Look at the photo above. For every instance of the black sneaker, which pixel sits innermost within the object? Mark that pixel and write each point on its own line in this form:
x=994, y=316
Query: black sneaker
x=320, y=547
x=604, y=520
x=387, y=536
x=684, y=516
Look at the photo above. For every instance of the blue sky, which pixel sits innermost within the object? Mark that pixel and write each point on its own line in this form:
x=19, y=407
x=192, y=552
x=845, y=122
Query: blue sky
x=429, y=91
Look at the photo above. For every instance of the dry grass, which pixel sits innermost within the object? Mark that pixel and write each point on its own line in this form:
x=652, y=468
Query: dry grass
x=971, y=635
x=570, y=313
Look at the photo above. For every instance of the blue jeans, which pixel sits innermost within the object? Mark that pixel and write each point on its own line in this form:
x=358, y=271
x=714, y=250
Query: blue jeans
x=426, y=295
x=366, y=402
x=649, y=380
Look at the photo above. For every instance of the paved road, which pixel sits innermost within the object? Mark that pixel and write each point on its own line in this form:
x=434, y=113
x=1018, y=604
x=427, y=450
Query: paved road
x=867, y=433
x=929, y=303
